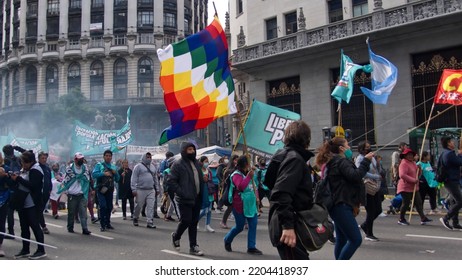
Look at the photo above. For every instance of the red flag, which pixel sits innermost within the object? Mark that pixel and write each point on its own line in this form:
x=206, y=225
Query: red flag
x=449, y=90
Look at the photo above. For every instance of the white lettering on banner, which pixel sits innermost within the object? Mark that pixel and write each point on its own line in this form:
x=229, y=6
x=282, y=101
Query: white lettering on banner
x=276, y=125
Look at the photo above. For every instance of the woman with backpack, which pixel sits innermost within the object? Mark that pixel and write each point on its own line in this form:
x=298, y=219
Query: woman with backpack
x=226, y=176
x=244, y=206
x=207, y=193
x=347, y=188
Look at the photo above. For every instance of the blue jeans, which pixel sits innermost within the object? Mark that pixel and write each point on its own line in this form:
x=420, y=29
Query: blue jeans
x=105, y=208
x=347, y=234
x=207, y=212
x=240, y=221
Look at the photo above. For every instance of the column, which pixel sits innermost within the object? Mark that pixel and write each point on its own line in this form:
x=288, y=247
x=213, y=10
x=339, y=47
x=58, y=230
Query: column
x=22, y=85
x=41, y=97
x=158, y=17
x=85, y=78
x=22, y=22
x=108, y=16
x=63, y=18
x=132, y=75
x=108, y=78
x=62, y=72
x=180, y=18
x=2, y=90
x=42, y=18
x=132, y=17
x=85, y=22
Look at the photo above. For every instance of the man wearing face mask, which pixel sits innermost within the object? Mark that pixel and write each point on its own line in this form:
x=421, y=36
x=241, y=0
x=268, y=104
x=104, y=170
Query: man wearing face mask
x=77, y=184
x=185, y=181
x=144, y=184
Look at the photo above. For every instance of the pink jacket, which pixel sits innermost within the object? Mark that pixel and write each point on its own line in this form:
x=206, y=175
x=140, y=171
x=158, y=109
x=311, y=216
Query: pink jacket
x=407, y=176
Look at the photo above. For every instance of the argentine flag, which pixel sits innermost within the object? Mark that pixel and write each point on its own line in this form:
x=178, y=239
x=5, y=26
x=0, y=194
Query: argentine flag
x=384, y=76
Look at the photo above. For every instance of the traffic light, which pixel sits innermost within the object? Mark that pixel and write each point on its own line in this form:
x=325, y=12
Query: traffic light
x=228, y=139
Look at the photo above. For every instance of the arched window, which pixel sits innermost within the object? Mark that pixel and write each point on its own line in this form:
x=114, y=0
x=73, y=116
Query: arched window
x=52, y=81
x=73, y=79
x=145, y=77
x=97, y=80
x=31, y=85
x=120, y=79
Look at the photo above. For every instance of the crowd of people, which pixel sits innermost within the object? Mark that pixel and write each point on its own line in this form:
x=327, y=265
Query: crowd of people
x=188, y=189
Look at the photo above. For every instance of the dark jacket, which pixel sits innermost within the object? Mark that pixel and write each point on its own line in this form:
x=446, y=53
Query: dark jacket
x=346, y=182
x=452, y=163
x=125, y=190
x=293, y=190
x=47, y=185
x=181, y=179
x=34, y=184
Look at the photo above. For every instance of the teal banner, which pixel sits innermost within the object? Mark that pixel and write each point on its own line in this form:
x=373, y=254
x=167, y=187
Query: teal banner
x=90, y=141
x=264, y=128
x=35, y=145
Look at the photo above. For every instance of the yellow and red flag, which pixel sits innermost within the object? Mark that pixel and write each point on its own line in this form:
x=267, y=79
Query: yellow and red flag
x=449, y=90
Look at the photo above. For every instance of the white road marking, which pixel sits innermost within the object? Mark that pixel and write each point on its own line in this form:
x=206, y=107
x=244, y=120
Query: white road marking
x=102, y=236
x=53, y=225
x=434, y=237
x=184, y=255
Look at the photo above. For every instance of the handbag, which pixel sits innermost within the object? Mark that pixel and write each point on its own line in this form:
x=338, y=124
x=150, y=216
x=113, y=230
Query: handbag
x=312, y=227
x=372, y=187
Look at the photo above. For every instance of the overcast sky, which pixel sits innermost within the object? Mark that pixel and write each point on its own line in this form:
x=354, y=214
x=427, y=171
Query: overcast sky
x=222, y=8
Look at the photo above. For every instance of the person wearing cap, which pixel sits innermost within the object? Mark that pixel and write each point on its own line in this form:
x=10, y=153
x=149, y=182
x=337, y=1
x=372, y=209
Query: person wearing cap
x=105, y=175
x=47, y=186
x=27, y=200
x=185, y=182
x=452, y=161
x=76, y=183
x=409, y=174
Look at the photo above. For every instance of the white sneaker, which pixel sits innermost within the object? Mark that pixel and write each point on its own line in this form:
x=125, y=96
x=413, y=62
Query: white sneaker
x=383, y=215
x=209, y=228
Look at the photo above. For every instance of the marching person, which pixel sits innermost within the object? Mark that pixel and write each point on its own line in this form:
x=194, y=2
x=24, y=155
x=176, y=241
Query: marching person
x=244, y=206
x=185, y=181
x=47, y=187
x=427, y=183
x=4, y=197
x=293, y=191
x=207, y=196
x=28, y=202
x=259, y=177
x=105, y=174
x=144, y=186
x=452, y=162
x=77, y=185
x=125, y=190
x=347, y=187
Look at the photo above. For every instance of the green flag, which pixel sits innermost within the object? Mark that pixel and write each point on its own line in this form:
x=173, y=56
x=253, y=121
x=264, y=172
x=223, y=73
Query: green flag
x=264, y=128
x=344, y=88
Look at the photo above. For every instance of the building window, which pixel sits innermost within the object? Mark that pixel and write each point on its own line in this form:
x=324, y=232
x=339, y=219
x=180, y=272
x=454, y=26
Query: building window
x=32, y=9
x=120, y=40
x=75, y=4
x=120, y=3
x=145, y=78
x=74, y=70
x=32, y=28
x=145, y=38
x=97, y=80
x=73, y=79
x=31, y=85
x=359, y=114
x=53, y=7
x=120, y=20
x=187, y=27
x=97, y=23
x=145, y=18
x=359, y=8
x=75, y=24
x=335, y=10
x=240, y=7
x=120, y=67
x=97, y=42
x=97, y=3
x=53, y=26
x=285, y=94
x=170, y=20
x=291, y=23
x=271, y=28
x=52, y=84
x=120, y=79
x=144, y=2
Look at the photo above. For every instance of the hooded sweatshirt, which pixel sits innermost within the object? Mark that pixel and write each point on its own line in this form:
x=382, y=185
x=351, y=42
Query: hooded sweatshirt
x=142, y=178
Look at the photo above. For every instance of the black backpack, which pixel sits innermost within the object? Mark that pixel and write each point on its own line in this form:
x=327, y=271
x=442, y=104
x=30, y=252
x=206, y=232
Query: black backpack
x=226, y=188
x=273, y=168
x=441, y=175
x=322, y=193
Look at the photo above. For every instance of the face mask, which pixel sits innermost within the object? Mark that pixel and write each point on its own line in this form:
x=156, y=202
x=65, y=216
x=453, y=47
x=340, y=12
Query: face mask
x=55, y=169
x=79, y=162
x=146, y=161
x=206, y=165
x=348, y=154
x=226, y=161
x=191, y=157
x=367, y=151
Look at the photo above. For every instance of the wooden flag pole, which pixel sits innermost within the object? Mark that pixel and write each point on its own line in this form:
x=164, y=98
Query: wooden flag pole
x=420, y=159
x=215, y=8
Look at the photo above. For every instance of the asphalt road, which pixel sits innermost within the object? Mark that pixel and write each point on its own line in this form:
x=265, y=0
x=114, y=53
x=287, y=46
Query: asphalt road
x=126, y=242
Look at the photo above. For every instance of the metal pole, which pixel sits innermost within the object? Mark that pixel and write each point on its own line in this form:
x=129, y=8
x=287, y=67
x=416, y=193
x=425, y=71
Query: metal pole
x=28, y=240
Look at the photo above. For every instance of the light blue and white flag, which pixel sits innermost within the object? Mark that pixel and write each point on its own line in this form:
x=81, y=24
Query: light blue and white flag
x=383, y=78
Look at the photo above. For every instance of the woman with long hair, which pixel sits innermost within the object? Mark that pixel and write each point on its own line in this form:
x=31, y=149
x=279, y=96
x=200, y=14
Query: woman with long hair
x=244, y=206
x=226, y=175
x=207, y=197
x=345, y=181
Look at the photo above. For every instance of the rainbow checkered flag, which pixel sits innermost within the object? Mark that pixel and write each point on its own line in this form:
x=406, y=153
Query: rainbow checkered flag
x=197, y=82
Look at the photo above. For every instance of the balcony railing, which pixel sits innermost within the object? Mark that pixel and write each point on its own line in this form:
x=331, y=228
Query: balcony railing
x=97, y=42
x=73, y=44
x=371, y=22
